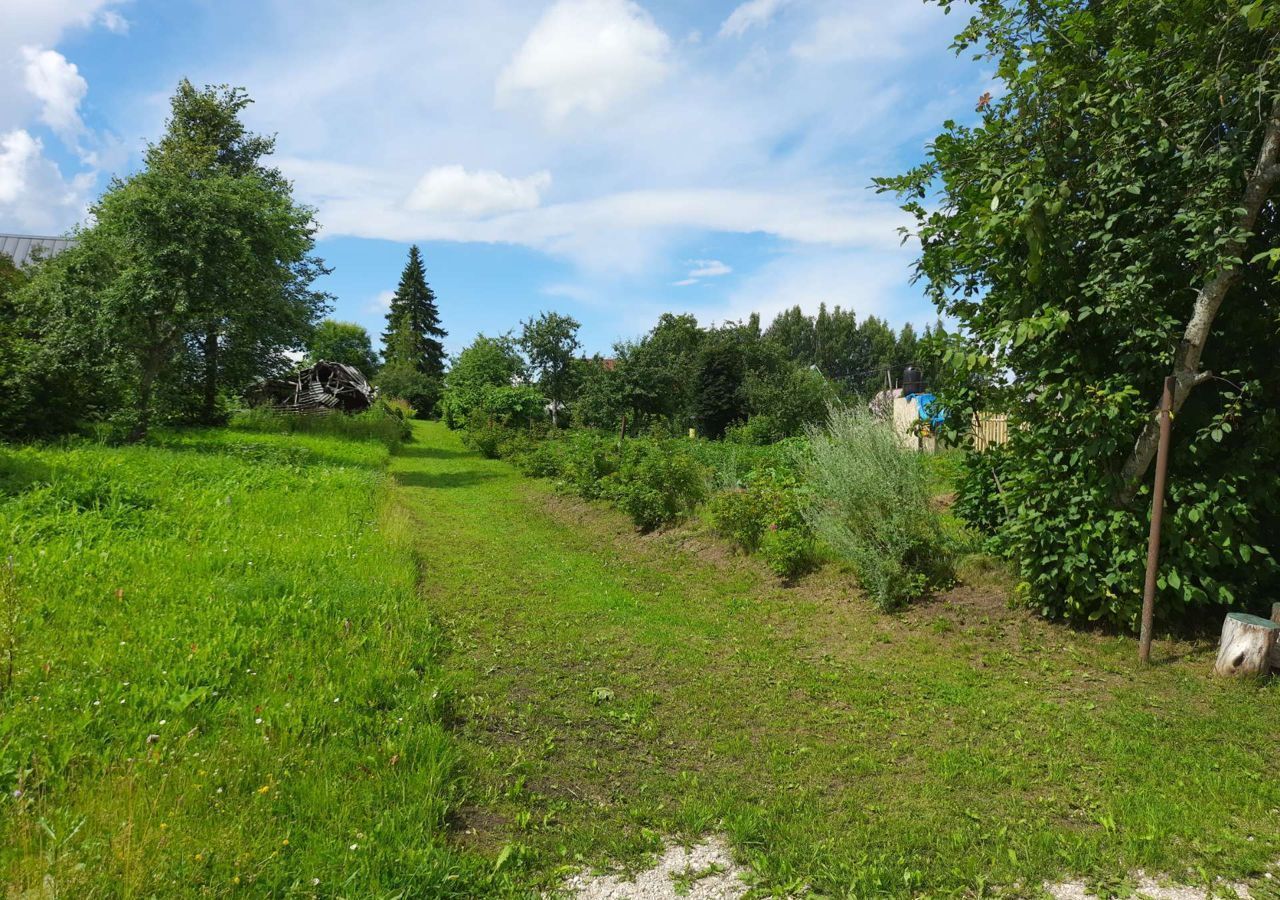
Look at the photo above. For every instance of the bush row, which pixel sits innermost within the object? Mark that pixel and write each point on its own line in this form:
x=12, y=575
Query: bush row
x=847, y=490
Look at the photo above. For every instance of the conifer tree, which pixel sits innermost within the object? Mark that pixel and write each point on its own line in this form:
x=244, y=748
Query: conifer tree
x=412, y=338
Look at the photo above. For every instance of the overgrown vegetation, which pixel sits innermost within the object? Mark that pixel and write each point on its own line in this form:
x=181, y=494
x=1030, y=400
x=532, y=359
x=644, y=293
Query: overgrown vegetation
x=871, y=502
x=849, y=492
x=386, y=422
x=1108, y=223
x=194, y=277
x=225, y=679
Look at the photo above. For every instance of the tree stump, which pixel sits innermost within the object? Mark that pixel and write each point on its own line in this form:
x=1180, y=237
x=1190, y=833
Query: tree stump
x=1247, y=645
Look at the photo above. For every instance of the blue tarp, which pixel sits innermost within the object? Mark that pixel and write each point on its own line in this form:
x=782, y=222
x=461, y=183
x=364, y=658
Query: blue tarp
x=928, y=409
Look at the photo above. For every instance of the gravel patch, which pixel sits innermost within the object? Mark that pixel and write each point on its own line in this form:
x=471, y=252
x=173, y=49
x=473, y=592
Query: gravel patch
x=705, y=871
x=1150, y=889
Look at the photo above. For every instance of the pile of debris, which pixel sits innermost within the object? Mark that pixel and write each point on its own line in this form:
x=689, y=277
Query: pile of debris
x=324, y=387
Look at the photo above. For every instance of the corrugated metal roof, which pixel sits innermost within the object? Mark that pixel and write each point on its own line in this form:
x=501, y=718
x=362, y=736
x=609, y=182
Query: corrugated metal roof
x=23, y=248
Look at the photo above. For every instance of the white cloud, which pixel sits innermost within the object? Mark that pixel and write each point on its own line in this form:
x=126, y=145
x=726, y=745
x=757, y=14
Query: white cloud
x=864, y=33
x=709, y=268
x=867, y=282
x=18, y=150
x=380, y=303
x=752, y=14
x=33, y=194
x=42, y=86
x=113, y=21
x=703, y=268
x=586, y=55
x=453, y=191
x=59, y=87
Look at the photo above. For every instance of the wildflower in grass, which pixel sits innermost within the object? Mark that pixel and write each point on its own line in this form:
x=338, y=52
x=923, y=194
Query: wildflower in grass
x=264, y=789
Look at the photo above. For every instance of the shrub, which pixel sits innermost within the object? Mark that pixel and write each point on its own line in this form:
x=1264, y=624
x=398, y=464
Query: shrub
x=405, y=383
x=788, y=551
x=734, y=516
x=870, y=503
x=657, y=483
x=539, y=459
x=484, y=435
x=586, y=460
x=513, y=406
x=980, y=499
x=767, y=515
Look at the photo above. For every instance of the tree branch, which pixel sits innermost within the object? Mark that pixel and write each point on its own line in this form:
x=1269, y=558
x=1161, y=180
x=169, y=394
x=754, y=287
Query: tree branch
x=1186, y=361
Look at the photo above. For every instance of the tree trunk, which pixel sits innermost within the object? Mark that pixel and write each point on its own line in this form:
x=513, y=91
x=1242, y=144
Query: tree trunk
x=1186, y=361
x=1247, y=646
x=210, y=373
x=143, y=407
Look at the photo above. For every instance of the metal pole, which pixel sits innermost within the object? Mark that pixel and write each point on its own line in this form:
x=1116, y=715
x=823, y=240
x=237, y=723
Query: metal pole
x=1157, y=516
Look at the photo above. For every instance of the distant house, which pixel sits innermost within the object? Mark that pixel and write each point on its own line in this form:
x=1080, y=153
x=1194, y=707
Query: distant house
x=25, y=249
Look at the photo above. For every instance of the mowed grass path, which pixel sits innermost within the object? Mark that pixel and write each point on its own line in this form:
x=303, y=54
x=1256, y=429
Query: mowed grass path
x=613, y=689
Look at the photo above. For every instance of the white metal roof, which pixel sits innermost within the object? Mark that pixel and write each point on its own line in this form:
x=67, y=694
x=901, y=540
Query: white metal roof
x=24, y=249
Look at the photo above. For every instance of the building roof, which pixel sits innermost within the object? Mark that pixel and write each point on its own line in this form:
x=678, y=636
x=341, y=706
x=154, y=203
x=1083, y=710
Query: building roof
x=24, y=249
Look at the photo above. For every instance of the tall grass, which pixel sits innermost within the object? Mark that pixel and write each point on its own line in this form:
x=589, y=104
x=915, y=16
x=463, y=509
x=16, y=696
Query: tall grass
x=386, y=422
x=224, y=677
x=870, y=503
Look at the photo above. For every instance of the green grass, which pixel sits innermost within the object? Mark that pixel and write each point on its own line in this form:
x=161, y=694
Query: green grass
x=525, y=686
x=955, y=748
x=225, y=679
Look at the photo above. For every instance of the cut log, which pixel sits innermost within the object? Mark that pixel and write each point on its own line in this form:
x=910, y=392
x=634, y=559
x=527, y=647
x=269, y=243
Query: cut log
x=1246, y=646
x=1275, y=613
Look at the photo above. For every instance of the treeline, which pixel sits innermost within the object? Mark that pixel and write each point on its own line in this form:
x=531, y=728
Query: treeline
x=193, y=278
x=733, y=380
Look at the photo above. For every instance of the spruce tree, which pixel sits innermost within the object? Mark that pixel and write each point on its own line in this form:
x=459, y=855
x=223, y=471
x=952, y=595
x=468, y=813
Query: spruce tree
x=412, y=338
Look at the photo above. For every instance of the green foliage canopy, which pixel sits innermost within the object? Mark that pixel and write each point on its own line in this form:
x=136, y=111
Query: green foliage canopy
x=1102, y=227
x=487, y=362
x=550, y=342
x=343, y=342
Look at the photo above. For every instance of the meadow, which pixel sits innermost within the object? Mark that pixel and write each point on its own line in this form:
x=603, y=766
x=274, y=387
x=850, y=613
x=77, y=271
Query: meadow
x=329, y=664
x=222, y=674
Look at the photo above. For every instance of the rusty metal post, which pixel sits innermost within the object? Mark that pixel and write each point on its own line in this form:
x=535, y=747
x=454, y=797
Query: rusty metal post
x=1157, y=517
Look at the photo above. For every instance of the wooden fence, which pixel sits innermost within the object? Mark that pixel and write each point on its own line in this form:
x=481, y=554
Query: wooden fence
x=989, y=430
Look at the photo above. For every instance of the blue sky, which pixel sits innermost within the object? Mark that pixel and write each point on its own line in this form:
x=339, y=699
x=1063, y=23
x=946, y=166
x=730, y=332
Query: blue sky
x=607, y=159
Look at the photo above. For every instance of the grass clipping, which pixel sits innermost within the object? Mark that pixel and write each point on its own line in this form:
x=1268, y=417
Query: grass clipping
x=870, y=505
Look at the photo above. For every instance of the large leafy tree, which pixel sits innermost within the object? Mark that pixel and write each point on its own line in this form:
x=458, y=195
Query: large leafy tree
x=254, y=314
x=488, y=362
x=1106, y=223
x=550, y=342
x=343, y=342
x=194, y=272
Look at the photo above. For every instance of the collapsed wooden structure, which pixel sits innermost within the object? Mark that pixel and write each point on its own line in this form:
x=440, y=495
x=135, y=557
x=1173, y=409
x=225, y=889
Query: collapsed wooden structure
x=324, y=387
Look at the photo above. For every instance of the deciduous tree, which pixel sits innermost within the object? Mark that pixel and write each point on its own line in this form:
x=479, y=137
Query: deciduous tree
x=1104, y=224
